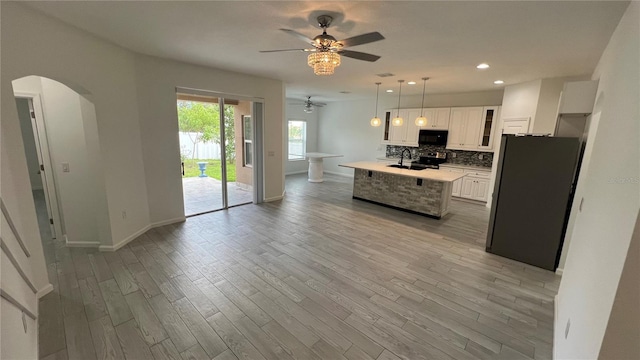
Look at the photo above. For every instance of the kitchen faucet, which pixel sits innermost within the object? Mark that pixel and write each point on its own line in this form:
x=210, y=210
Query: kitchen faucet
x=402, y=155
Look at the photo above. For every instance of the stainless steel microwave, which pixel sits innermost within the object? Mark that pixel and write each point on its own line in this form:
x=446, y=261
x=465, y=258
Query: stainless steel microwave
x=433, y=137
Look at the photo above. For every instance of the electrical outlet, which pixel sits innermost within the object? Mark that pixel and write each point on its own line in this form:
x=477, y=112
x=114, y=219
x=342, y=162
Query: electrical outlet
x=271, y=153
x=480, y=156
x=453, y=155
x=124, y=214
x=566, y=330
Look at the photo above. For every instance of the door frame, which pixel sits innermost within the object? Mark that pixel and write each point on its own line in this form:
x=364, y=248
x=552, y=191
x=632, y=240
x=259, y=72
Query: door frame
x=257, y=140
x=44, y=157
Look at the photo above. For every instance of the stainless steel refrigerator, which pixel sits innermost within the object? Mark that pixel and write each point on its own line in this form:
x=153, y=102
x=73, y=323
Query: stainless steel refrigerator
x=532, y=198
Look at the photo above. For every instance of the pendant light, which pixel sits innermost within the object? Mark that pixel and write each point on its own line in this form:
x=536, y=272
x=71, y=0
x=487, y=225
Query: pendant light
x=397, y=121
x=375, y=121
x=421, y=120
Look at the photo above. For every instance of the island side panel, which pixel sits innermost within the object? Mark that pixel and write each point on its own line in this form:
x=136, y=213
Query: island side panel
x=401, y=192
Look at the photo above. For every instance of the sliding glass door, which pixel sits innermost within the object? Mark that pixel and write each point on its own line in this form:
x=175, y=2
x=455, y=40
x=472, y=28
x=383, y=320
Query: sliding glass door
x=217, y=153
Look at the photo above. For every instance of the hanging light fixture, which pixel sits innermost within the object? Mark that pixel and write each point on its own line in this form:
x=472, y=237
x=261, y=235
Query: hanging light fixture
x=421, y=120
x=397, y=121
x=323, y=62
x=375, y=121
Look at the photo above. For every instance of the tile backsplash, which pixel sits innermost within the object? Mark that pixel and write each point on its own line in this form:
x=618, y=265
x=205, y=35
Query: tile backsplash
x=462, y=157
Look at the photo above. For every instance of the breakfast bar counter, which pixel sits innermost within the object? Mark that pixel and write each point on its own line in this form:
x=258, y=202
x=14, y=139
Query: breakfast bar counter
x=426, y=192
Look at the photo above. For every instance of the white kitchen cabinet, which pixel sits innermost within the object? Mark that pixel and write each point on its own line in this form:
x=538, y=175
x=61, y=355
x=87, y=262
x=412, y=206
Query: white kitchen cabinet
x=476, y=185
x=487, y=127
x=456, y=186
x=466, y=189
x=407, y=133
x=464, y=128
x=437, y=118
x=481, y=192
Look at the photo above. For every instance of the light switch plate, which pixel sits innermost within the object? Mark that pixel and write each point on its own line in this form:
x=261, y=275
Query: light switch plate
x=65, y=167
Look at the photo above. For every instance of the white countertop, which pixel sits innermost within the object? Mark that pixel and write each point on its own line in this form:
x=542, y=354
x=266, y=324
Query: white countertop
x=467, y=167
x=321, y=155
x=428, y=174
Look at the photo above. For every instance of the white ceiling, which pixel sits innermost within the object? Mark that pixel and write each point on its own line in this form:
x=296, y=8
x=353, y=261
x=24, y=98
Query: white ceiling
x=521, y=40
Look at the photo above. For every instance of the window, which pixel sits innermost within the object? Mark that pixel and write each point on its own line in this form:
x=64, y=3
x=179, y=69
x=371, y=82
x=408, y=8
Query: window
x=247, y=136
x=297, y=139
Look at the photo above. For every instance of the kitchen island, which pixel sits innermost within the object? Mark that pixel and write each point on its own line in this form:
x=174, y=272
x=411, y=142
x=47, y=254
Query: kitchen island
x=426, y=192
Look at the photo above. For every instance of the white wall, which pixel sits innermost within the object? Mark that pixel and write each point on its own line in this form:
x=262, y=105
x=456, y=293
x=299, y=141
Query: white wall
x=602, y=232
x=294, y=112
x=33, y=165
x=69, y=129
x=343, y=127
x=115, y=77
x=157, y=80
x=82, y=61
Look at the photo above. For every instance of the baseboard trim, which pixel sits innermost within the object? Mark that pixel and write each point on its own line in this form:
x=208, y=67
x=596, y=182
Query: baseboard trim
x=339, y=174
x=555, y=327
x=169, y=222
x=560, y=271
x=143, y=230
x=87, y=244
x=275, y=198
x=296, y=172
x=44, y=291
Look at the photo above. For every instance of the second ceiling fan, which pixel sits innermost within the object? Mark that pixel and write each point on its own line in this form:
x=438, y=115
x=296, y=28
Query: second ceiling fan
x=326, y=50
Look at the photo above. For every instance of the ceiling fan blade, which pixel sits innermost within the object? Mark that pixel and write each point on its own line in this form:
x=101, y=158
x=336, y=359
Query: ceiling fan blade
x=359, y=55
x=268, y=51
x=299, y=36
x=362, y=39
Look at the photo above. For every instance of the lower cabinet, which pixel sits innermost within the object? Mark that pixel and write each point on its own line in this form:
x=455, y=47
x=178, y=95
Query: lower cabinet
x=474, y=186
x=457, y=185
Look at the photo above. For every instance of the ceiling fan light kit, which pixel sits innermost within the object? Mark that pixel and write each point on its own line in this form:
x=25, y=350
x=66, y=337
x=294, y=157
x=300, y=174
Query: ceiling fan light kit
x=398, y=121
x=326, y=51
x=421, y=120
x=323, y=63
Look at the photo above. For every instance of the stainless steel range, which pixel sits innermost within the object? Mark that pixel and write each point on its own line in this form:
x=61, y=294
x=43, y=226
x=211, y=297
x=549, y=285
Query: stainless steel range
x=431, y=161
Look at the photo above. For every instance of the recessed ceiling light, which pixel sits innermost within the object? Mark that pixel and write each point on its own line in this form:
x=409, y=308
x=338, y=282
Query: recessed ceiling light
x=483, y=66
x=389, y=90
x=411, y=83
x=498, y=82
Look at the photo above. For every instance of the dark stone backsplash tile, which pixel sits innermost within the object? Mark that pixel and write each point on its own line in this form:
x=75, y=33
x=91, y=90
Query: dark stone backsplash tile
x=463, y=157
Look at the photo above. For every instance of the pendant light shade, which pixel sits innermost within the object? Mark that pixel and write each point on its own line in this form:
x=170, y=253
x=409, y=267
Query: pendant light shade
x=375, y=121
x=398, y=121
x=421, y=120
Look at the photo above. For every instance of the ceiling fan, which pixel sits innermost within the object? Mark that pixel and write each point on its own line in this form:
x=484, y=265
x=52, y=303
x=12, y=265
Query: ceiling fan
x=309, y=105
x=326, y=50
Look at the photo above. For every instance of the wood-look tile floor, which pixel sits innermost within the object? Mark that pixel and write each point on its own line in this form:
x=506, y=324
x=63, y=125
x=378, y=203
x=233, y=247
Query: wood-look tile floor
x=314, y=276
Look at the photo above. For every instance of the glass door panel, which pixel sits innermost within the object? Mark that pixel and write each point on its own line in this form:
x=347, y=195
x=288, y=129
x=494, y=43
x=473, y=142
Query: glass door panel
x=200, y=153
x=238, y=131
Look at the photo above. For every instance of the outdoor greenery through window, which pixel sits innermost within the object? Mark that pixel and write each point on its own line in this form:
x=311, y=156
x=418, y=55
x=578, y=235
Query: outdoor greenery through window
x=199, y=124
x=297, y=139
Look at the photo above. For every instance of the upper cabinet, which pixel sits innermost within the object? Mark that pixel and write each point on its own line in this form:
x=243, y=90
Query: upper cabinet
x=437, y=118
x=464, y=127
x=487, y=127
x=472, y=128
x=404, y=135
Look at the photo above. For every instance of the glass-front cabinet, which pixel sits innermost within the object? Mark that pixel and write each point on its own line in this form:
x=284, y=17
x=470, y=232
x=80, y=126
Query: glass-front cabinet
x=487, y=127
x=386, y=124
